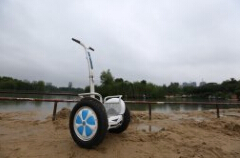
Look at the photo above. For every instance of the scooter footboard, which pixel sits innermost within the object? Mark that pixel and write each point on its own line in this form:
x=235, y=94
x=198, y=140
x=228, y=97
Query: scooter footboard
x=114, y=121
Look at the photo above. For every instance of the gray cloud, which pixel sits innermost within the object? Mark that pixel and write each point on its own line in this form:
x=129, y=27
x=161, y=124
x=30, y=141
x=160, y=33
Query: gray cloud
x=159, y=41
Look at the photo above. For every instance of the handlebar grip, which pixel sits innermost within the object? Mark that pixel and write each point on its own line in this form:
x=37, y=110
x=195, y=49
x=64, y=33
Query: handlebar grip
x=91, y=48
x=76, y=40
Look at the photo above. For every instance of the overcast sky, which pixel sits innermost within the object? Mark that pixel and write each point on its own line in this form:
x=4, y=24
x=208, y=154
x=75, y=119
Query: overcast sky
x=158, y=41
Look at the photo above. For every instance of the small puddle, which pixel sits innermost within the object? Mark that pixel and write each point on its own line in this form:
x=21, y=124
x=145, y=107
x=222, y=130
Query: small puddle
x=234, y=114
x=197, y=119
x=186, y=117
x=149, y=128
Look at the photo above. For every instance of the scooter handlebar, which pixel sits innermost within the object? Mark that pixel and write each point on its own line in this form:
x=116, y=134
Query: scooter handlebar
x=75, y=40
x=91, y=48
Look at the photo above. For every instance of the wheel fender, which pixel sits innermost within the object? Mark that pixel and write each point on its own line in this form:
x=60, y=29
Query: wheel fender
x=118, y=101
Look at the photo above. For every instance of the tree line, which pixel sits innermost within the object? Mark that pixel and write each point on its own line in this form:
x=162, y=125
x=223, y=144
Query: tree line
x=133, y=90
x=147, y=90
x=9, y=83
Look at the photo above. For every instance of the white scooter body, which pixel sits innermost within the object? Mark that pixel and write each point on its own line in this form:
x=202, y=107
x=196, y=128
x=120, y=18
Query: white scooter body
x=114, y=105
x=115, y=108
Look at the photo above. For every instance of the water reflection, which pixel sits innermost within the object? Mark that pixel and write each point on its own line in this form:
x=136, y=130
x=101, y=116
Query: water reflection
x=48, y=106
x=168, y=108
x=7, y=106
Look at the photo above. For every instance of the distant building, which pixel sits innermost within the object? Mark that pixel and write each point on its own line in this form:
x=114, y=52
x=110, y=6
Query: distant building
x=189, y=84
x=202, y=83
x=70, y=85
x=49, y=84
x=185, y=84
x=26, y=81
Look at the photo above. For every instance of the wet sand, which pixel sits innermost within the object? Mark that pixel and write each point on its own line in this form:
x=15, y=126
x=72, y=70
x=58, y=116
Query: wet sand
x=178, y=135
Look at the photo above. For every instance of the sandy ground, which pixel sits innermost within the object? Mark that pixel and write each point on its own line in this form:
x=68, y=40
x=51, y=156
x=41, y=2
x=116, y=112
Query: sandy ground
x=177, y=135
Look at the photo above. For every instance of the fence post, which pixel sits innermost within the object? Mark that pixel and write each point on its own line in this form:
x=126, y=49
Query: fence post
x=150, y=111
x=54, y=111
x=217, y=107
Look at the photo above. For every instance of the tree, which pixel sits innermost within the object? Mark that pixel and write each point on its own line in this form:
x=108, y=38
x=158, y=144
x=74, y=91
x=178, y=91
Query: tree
x=230, y=85
x=120, y=80
x=173, y=88
x=106, y=77
x=144, y=82
x=40, y=86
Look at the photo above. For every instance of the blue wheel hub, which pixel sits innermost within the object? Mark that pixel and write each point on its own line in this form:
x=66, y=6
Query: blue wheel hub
x=85, y=123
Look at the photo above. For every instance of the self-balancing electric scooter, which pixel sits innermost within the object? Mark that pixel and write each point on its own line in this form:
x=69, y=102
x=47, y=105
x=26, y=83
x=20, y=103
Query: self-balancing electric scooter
x=92, y=116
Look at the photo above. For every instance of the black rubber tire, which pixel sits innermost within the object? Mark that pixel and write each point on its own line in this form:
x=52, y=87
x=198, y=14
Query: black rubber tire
x=100, y=111
x=125, y=123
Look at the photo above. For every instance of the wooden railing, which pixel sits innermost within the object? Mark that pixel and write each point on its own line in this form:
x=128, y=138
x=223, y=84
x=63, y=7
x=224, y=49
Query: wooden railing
x=148, y=103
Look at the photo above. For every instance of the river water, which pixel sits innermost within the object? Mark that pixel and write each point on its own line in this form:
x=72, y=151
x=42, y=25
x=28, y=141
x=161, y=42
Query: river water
x=47, y=107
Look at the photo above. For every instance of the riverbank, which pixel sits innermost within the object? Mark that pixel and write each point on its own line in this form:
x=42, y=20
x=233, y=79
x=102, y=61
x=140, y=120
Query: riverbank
x=178, y=134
